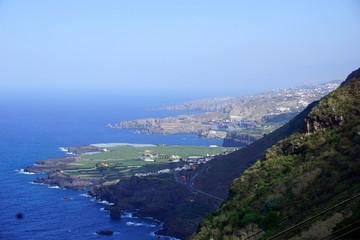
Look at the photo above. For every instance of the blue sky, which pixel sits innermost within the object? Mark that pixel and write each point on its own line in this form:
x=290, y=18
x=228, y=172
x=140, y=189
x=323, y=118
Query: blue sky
x=218, y=48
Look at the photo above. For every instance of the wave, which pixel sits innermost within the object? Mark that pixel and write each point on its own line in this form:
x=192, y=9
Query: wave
x=66, y=150
x=152, y=219
x=63, y=149
x=142, y=224
x=57, y=187
x=22, y=171
x=163, y=237
x=37, y=183
x=104, y=202
x=85, y=195
x=129, y=214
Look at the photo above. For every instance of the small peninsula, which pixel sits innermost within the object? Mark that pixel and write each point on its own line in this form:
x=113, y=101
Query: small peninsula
x=109, y=163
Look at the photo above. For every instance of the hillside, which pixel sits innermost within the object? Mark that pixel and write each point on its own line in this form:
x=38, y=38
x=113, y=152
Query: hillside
x=299, y=177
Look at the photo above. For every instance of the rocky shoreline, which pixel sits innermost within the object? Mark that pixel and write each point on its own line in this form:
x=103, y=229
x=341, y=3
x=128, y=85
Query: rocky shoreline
x=53, y=168
x=161, y=198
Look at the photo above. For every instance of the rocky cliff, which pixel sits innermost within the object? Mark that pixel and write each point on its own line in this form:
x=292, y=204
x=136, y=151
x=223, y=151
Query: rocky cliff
x=57, y=178
x=160, y=197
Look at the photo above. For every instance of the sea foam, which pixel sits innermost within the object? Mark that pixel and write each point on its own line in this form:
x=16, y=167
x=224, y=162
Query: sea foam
x=22, y=171
x=138, y=224
x=85, y=195
x=63, y=149
x=104, y=202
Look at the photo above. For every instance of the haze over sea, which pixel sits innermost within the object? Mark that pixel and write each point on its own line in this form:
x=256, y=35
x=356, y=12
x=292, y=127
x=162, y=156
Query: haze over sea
x=35, y=128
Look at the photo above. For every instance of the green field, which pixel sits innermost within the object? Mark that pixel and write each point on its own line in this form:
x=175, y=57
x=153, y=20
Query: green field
x=125, y=160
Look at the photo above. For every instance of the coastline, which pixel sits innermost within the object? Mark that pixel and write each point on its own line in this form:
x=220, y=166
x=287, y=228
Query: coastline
x=159, y=197
x=54, y=178
x=53, y=169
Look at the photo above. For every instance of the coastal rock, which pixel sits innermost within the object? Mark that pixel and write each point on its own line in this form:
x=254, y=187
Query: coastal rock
x=105, y=232
x=66, y=181
x=115, y=211
x=161, y=198
x=84, y=149
x=50, y=165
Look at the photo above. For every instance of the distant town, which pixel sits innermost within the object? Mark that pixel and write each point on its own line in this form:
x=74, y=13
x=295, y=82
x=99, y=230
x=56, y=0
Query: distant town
x=252, y=115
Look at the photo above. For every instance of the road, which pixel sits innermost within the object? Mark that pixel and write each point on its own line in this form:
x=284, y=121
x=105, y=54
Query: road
x=190, y=185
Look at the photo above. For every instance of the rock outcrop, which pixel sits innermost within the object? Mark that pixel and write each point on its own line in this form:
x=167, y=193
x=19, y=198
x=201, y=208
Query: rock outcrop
x=67, y=181
x=83, y=149
x=51, y=165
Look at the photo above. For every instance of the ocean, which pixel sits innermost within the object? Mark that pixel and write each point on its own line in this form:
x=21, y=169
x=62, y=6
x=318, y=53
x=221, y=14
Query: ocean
x=37, y=128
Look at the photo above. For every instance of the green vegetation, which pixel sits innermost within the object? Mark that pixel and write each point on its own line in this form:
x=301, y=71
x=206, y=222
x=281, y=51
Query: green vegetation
x=123, y=161
x=299, y=177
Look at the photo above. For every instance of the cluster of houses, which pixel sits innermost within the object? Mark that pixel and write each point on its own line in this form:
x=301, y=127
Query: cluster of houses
x=190, y=163
x=149, y=157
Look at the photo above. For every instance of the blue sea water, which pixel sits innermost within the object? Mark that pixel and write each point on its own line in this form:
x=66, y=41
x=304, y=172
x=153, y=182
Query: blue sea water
x=34, y=129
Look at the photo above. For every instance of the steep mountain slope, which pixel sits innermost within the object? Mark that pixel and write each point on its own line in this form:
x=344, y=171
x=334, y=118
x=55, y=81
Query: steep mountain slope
x=300, y=176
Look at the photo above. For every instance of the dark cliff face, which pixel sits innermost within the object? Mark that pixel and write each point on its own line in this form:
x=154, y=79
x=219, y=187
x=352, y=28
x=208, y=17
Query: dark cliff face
x=300, y=176
x=337, y=108
x=159, y=197
x=67, y=181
